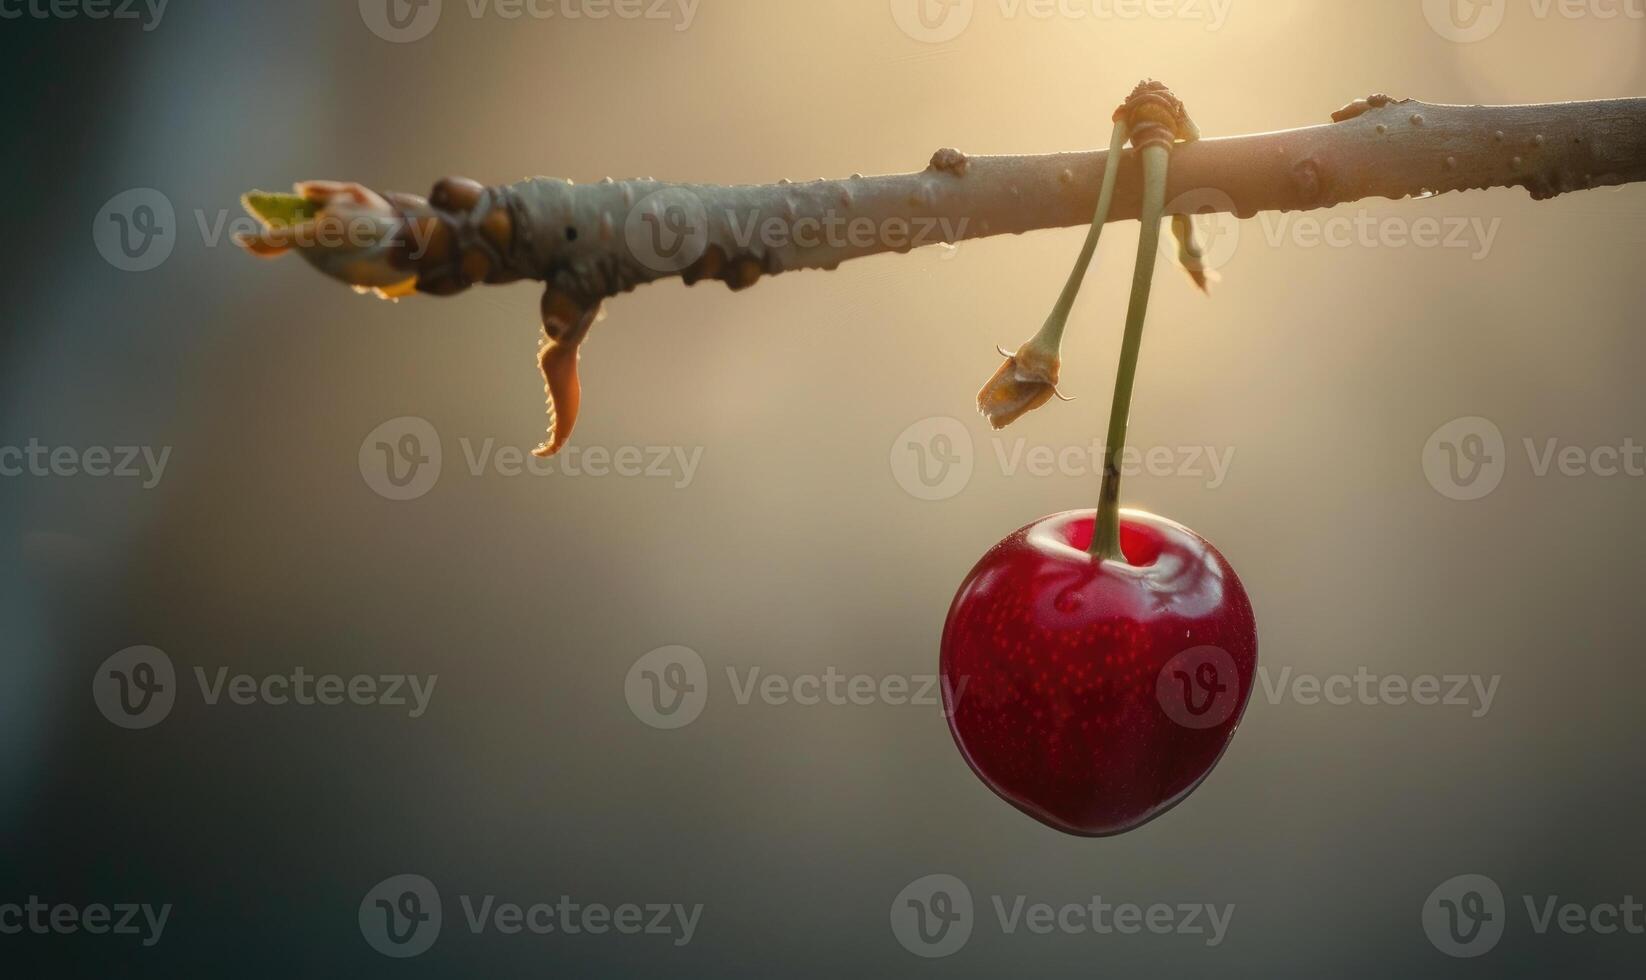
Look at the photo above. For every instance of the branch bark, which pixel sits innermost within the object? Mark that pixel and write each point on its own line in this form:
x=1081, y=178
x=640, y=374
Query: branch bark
x=1378, y=147
x=590, y=242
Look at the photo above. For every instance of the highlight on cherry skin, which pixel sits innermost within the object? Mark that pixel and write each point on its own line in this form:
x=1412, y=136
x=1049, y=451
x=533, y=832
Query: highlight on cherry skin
x=1096, y=695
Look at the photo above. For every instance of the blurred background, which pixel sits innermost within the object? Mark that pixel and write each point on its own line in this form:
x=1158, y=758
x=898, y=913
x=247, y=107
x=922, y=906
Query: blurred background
x=1331, y=378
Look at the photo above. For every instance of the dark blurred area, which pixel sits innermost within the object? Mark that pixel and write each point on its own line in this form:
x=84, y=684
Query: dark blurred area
x=254, y=537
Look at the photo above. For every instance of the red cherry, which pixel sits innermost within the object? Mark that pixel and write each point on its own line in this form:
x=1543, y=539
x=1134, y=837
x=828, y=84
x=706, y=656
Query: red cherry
x=1095, y=695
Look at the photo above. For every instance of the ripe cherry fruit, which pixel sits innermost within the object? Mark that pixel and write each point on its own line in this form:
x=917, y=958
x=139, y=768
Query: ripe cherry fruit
x=1092, y=694
x=1096, y=663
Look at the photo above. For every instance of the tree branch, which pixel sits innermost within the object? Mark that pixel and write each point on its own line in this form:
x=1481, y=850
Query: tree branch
x=598, y=240
x=593, y=241
x=1375, y=148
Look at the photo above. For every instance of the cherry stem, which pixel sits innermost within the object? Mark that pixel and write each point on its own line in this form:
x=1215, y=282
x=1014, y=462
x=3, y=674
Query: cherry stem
x=1051, y=333
x=1106, y=531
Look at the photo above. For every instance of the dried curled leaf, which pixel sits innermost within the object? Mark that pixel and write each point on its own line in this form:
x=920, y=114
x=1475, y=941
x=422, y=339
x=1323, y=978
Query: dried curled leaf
x=566, y=321
x=1026, y=381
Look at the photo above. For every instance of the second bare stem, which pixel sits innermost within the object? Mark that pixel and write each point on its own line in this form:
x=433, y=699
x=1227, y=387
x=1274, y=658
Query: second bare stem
x=1106, y=532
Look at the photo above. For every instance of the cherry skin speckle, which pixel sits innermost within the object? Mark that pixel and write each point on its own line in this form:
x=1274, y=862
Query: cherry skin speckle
x=1096, y=695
